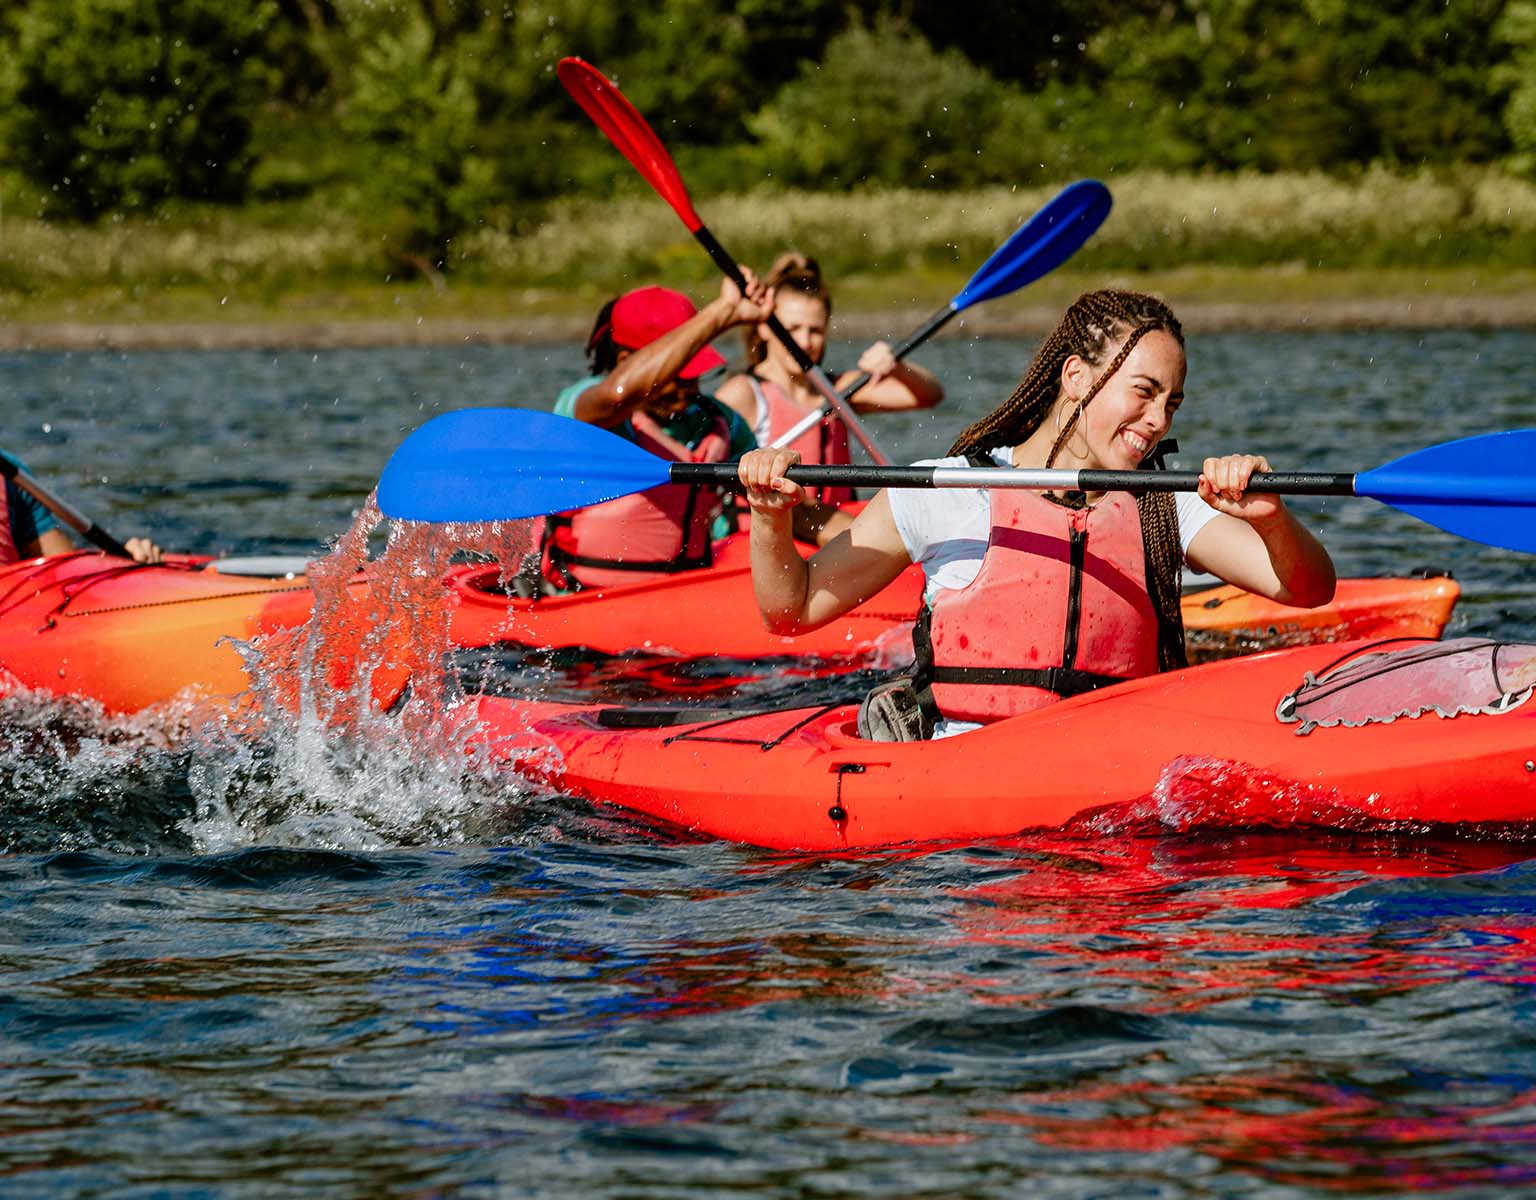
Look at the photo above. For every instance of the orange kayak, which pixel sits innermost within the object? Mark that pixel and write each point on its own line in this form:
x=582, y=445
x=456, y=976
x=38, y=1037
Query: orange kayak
x=1220, y=622
x=129, y=636
x=1355, y=736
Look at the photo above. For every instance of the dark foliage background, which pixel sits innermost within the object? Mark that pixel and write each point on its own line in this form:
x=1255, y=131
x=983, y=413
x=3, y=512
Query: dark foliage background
x=427, y=119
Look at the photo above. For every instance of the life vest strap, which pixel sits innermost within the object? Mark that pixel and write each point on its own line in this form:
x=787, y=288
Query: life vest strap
x=560, y=560
x=1064, y=681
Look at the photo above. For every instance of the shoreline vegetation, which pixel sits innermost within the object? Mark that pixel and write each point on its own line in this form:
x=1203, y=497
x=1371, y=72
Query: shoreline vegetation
x=1292, y=251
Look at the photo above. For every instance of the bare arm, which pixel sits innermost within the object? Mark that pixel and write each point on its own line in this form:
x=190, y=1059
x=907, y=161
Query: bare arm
x=56, y=541
x=737, y=395
x=820, y=523
x=894, y=385
x=796, y=595
x=645, y=372
x=1257, y=543
x=50, y=541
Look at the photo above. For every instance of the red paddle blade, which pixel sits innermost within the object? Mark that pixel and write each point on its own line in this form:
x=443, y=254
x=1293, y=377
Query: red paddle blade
x=628, y=131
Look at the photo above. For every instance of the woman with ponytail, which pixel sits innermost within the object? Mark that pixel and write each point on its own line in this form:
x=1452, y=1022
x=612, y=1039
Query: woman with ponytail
x=1030, y=596
x=773, y=395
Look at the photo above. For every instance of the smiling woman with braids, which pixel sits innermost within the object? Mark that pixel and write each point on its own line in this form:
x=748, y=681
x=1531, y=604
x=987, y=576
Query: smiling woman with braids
x=1032, y=597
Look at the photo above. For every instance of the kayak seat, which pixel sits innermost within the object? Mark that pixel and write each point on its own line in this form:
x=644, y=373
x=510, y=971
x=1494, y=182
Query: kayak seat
x=655, y=717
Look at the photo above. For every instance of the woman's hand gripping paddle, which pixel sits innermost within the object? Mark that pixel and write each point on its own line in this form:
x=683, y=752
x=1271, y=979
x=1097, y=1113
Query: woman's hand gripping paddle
x=1036, y=248
x=501, y=464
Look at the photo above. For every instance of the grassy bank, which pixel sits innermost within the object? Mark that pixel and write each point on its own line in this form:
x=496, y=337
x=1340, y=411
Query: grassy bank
x=1302, y=241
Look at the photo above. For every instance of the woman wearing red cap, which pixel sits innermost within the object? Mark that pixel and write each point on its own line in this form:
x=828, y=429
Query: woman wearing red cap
x=647, y=352
x=774, y=396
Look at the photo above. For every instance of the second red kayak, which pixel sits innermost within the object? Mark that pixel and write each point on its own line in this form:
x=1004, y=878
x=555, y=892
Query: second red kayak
x=129, y=636
x=714, y=612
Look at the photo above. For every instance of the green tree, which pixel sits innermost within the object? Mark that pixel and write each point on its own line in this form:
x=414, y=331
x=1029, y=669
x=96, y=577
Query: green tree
x=416, y=106
x=1517, y=30
x=1031, y=43
x=123, y=104
x=467, y=124
x=1312, y=83
x=462, y=114
x=299, y=48
x=882, y=107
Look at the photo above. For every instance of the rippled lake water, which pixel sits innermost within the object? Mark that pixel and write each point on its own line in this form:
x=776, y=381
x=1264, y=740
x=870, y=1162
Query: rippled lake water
x=298, y=967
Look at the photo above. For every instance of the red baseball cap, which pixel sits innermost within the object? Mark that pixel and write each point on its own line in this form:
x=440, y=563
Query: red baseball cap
x=643, y=315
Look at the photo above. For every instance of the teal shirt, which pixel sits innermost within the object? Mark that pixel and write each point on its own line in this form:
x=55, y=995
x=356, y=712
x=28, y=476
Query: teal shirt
x=689, y=427
x=29, y=519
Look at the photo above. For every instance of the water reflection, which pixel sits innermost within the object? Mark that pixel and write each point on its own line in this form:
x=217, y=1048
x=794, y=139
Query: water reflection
x=554, y=998
x=1295, y=1010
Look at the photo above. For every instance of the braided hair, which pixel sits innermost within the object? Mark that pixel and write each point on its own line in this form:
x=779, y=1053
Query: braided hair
x=791, y=272
x=1090, y=329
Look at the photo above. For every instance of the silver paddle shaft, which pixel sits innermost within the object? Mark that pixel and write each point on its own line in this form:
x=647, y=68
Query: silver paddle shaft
x=1038, y=479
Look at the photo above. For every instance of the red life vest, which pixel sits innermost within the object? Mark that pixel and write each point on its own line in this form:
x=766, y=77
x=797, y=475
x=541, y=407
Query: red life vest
x=9, y=553
x=824, y=442
x=1060, y=606
x=653, y=533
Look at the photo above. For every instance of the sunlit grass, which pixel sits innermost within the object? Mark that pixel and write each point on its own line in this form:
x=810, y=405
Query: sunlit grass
x=1159, y=222
x=1258, y=237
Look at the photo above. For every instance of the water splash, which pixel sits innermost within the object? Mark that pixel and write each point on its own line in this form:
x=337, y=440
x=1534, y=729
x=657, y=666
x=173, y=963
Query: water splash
x=352, y=734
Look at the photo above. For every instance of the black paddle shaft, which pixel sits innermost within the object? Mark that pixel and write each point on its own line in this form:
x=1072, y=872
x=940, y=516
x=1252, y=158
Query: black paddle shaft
x=728, y=266
x=732, y=271
x=1279, y=482
x=67, y=513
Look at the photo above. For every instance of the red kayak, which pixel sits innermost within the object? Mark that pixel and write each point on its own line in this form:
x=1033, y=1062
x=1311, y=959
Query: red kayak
x=714, y=613
x=690, y=615
x=1368, y=735
x=129, y=636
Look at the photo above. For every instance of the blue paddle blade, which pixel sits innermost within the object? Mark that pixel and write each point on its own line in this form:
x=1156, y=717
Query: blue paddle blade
x=1041, y=244
x=500, y=464
x=1483, y=487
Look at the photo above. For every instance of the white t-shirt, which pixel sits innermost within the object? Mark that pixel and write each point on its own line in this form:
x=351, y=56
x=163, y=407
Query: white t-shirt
x=945, y=530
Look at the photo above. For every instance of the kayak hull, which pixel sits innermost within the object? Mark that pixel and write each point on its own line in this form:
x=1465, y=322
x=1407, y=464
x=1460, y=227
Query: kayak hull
x=1204, y=744
x=129, y=635
x=1224, y=621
